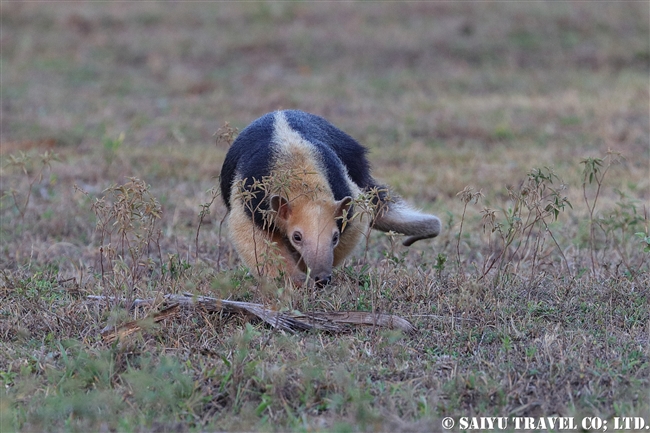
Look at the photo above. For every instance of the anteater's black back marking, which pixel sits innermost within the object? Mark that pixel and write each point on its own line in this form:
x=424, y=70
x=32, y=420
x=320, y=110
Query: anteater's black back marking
x=249, y=156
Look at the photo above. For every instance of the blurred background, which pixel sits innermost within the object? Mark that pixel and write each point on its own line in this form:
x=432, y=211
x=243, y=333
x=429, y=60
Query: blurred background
x=444, y=94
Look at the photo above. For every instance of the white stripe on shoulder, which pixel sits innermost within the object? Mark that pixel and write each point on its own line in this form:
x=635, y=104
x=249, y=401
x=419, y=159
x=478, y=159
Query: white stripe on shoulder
x=289, y=142
x=283, y=135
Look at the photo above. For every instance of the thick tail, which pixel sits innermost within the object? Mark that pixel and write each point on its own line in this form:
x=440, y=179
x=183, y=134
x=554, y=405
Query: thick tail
x=393, y=214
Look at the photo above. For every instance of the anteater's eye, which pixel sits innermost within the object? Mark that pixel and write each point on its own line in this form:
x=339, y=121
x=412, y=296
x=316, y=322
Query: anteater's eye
x=297, y=237
x=335, y=239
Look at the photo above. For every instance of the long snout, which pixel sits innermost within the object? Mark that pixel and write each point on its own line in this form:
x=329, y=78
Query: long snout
x=323, y=280
x=320, y=262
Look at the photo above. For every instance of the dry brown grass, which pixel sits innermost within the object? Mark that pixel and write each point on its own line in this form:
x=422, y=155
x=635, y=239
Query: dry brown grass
x=518, y=313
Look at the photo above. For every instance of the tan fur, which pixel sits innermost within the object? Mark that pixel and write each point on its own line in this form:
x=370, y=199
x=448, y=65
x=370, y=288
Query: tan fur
x=299, y=180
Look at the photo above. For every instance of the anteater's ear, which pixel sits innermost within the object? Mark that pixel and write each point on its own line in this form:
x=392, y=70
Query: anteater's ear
x=281, y=207
x=342, y=210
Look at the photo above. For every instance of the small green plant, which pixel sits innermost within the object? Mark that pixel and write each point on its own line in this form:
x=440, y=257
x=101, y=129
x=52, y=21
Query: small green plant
x=618, y=225
x=593, y=174
x=41, y=286
x=526, y=222
x=127, y=224
x=467, y=195
x=394, y=257
x=506, y=343
x=360, y=276
x=441, y=260
x=364, y=298
x=174, y=267
x=204, y=213
x=645, y=241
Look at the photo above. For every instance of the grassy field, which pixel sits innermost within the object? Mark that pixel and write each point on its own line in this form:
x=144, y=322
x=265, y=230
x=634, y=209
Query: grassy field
x=523, y=126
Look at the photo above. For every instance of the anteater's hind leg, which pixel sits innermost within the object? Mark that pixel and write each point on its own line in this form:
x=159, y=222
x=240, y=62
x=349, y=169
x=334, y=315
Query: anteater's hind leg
x=397, y=216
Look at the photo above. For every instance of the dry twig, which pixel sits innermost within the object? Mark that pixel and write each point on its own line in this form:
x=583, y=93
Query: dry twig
x=337, y=321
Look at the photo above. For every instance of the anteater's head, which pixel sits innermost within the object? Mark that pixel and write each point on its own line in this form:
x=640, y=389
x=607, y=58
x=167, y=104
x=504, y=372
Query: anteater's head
x=312, y=230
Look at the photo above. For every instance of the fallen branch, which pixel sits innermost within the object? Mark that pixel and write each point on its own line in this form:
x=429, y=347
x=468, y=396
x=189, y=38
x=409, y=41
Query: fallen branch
x=111, y=334
x=338, y=321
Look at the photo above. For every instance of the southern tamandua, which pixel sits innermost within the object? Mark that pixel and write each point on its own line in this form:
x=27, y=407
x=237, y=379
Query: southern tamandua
x=294, y=186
